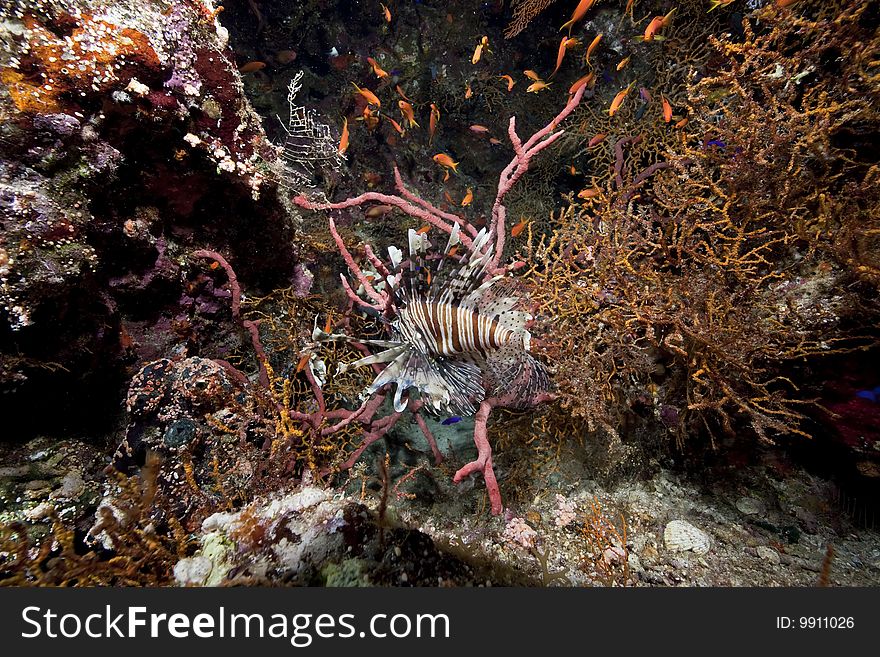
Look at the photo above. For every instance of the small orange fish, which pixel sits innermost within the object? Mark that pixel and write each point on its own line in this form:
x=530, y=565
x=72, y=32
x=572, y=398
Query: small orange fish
x=445, y=161
x=285, y=56
x=516, y=230
x=657, y=23
x=448, y=197
x=494, y=142
x=531, y=75
x=407, y=110
x=424, y=229
x=593, y=44
x=371, y=98
x=590, y=192
x=301, y=365
x=478, y=52
x=579, y=12
x=587, y=79
x=509, y=79
x=479, y=129
x=468, y=92
x=252, y=67
x=596, y=140
x=785, y=3
x=468, y=198
x=386, y=12
x=564, y=45
x=377, y=211
x=681, y=123
x=667, y=109
x=453, y=251
x=623, y=62
x=343, y=141
x=433, y=122
x=535, y=87
x=214, y=265
x=618, y=99
x=402, y=95
x=396, y=125
x=572, y=170
x=377, y=69
x=370, y=117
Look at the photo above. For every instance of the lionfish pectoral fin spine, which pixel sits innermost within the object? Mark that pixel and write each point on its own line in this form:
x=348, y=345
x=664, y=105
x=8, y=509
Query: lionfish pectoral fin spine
x=382, y=357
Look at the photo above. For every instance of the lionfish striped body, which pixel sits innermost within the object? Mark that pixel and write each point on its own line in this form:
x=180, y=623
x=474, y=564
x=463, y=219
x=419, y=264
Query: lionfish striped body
x=458, y=335
x=443, y=329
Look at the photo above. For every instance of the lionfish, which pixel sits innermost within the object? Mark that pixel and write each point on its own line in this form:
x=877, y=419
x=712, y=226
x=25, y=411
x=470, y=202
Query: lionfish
x=458, y=335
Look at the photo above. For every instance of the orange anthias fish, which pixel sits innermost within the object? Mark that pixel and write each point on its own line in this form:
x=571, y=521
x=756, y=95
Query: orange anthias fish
x=657, y=23
x=370, y=97
x=424, y=229
x=618, y=99
x=445, y=161
x=531, y=75
x=343, y=141
x=587, y=79
x=378, y=211
x=785, y=3
x=407, y=110
x=667, y=109
x=386, y=12
x=516, y=230
x=433, y=122
x=510, y=81
x=377, y=69
x=479, y=129
x=402, y=95
x=595, y=141
x=623, y=62
x=468, y=198
x=252, y=67
x=592, y=47
x=564, y=45
x=589, y=192
x=370, y=117
x=579, y=12
x=478, y=52
x=396, y=125
x=535, y=87
x=468, y=92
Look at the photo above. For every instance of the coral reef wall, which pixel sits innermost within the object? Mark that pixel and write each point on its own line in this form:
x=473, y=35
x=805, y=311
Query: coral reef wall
x=126, y=140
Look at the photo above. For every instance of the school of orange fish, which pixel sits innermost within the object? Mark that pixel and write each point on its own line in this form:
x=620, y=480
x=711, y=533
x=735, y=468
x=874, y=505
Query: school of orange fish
x=654, y=31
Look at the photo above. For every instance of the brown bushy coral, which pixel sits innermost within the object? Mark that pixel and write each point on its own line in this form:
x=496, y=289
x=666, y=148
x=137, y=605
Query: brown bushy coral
x=693, y=290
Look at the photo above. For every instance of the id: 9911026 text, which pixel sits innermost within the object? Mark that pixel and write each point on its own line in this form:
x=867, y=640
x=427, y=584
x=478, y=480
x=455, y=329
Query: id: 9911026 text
x=815, y=623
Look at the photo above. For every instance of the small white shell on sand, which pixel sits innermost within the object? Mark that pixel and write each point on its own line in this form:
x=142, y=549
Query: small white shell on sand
x=681, y=536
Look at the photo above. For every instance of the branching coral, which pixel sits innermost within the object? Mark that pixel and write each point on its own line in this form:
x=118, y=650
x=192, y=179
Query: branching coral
x=687, y=287
x=524, y=12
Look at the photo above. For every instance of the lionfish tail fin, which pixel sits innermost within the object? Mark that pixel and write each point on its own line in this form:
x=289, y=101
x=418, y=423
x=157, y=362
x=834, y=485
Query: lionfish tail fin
x=518, y=376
